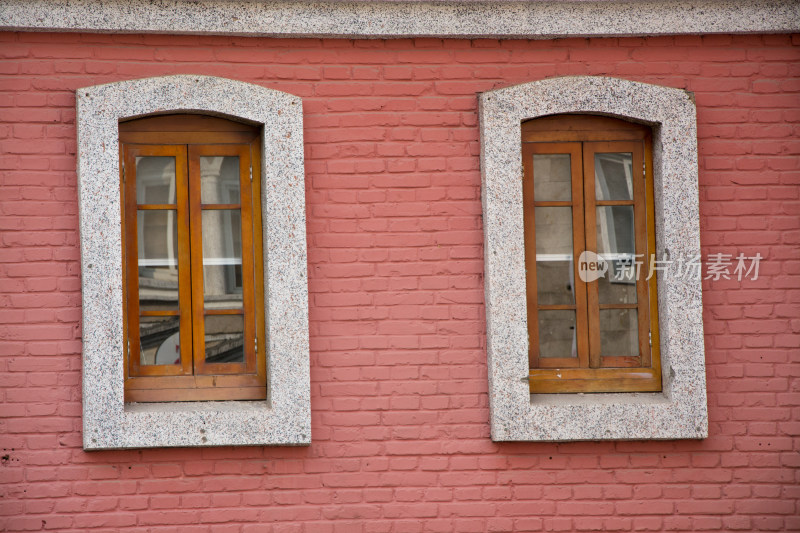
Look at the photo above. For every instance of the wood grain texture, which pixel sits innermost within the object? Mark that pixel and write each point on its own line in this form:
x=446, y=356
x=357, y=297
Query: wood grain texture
x=193, y=379
x=583, y=136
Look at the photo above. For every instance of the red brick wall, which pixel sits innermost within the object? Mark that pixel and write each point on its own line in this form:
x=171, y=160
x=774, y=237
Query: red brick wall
x=398, y=364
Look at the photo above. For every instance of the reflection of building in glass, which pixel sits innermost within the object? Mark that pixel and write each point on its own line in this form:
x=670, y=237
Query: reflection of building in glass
x=222, y=258
x=224, y=339
x=158, y=258
x=615, y=225
x=616, y=242
x=160, y=340
x=157, y=240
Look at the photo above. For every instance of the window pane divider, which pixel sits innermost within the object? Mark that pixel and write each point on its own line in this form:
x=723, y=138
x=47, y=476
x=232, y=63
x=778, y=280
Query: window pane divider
x=612, y=203
x=207, y=207
x=618, y=306
x=159, y=313
x=223, y=312
x=552, y=203
x=153, y=207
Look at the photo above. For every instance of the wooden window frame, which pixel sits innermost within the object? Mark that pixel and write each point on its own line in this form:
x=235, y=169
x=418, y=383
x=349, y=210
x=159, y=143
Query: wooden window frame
x=581, y=136
x=187, y=138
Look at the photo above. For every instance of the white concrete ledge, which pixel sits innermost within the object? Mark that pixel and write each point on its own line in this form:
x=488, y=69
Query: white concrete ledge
x=388, y=19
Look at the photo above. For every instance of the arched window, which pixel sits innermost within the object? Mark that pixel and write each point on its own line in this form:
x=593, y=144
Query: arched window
x=193, y=262
x=566, y=168
x=174, y=232
x=589, y=236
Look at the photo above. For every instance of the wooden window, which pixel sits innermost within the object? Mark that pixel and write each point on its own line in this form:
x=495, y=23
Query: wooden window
x=588, y=189
x=194, y=316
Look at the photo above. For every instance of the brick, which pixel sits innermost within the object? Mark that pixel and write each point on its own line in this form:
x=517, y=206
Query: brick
x=400, y=419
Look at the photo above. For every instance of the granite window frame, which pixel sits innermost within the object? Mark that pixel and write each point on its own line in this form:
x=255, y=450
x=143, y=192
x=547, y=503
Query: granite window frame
x=679, y=411
x=284, y=418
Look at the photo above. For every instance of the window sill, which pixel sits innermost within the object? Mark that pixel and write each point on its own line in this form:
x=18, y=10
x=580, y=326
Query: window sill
x=192, y=424
x=606, y=398
x=230, y=407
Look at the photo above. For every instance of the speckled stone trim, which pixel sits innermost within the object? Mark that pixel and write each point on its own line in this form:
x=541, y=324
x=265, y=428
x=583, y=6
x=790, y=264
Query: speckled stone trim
x=285, y=417
x=680, y=411
x=386, y=19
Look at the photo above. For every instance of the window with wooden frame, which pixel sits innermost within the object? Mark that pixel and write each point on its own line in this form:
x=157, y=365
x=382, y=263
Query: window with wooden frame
x=589, y=237
x=191, y=216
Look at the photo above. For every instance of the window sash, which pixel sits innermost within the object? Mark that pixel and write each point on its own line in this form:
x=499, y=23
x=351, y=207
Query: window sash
x=135, y=367
x=590, y=371
x=210, y=381
x=576, y=204
x=640, y=231
x=199, y=311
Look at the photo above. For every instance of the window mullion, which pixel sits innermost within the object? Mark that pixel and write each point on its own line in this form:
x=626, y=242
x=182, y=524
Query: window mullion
x=196, y=252
x=254, y=149
x=186, y=279
x=653, y=360
x=590, y=226
x=579, y=245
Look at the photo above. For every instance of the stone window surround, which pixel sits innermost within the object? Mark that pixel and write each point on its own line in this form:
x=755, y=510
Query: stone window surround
x=285, y=417
x=680, y=410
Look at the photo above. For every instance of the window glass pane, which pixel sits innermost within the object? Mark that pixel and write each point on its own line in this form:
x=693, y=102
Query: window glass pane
x=155, y=180
x=555, y=282
x=160, y=340
x=616, y=243
x=157, y=241
x=222, y=258
x=557, y=334
x=613, y=174
x=554, y=269
x=224, y=338
x=552, y=178
x=619, y=332
x=219, y=180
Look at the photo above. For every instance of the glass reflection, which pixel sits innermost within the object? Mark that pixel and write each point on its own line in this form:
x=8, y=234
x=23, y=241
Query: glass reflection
x=619, y=332
x=160, y=340
x=616, y=242
x=557, y=334
x=219, y=180
x=613, y=175
x=554, y=266
x=222, y=258
x=155, y=180
x=224, y=338
x=157, y=241
x=552, y=178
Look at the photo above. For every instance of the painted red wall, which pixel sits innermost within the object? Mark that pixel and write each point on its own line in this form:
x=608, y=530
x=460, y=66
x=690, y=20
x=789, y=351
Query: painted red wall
x=398, y=365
